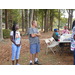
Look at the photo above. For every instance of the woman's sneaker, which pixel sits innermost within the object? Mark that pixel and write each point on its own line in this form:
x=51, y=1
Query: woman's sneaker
x=17, y=64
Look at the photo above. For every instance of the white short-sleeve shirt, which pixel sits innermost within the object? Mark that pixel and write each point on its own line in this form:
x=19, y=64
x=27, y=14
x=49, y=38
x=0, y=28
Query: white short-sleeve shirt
x=72, y=39
x=17, y=37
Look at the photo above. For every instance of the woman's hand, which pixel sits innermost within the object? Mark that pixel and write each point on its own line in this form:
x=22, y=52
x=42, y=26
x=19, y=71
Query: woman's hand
x=17, y=44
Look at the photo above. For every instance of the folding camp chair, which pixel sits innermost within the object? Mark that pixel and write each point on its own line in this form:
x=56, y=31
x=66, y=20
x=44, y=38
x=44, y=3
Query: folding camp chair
x=49, y=45
x=55, y=43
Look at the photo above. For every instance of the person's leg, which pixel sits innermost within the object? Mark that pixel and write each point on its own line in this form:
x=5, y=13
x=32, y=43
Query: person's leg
x=37, y=50
x=36, y=55
x=17, y=54
x=14, y=48
x=32, y=51
x=31, y=55
x=12, y=62
x=56, y=39
x=74, y=56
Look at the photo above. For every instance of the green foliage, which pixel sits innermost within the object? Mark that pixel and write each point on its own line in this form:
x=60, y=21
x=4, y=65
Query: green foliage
x=3, y=20
x=16, y=15
x=38, y=26
x=55, y=13
x=39, y=14
x=6, y=33
x=63, y=22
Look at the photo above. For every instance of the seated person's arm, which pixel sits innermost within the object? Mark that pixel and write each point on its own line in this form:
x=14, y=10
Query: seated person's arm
x=62, y=31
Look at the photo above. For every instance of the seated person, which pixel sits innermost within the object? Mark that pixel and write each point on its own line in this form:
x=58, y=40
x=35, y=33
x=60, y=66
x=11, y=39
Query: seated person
x=55, y=35
x=65, y=30
x=58, y=32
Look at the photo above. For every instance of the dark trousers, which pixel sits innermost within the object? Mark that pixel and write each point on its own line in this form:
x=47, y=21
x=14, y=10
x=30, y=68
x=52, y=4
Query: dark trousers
x=74, y=56
x=56, y=39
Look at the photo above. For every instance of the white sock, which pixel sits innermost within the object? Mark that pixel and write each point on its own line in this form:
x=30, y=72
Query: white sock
x=30, y=61
x=36, y=59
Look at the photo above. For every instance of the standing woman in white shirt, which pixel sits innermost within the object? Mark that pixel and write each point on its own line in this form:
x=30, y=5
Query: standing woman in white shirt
x=16, y=43
x=73, y=40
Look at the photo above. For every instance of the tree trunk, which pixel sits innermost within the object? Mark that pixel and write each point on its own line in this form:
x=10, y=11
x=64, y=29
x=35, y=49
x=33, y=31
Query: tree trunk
x=10, y=22
x=26, y=21
x=45, y=26
x=59, y=20
x=30, y=17
x=68, y=23
x=1, y=33
x=51, y=21
x=36, y=14
x=71, y=15
x=33, y=14
x=6, y=24
x=42, y=22
x=22, y=21
x=46, y=20
x=69, y=19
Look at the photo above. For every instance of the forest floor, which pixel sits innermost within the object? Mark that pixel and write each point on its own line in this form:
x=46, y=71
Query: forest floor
x=49, y=59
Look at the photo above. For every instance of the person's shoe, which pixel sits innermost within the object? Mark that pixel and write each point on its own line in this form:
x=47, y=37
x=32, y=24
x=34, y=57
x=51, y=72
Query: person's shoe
x=17, y=64
x=37, y=63
x=31, y=64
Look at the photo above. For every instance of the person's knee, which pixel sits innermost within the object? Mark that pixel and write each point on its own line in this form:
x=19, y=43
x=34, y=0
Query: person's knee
x=14, y=50
x=17, y=55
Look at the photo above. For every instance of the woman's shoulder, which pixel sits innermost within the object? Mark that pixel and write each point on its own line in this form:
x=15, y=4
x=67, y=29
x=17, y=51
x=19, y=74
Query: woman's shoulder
x=16, y=31
x=11, y=33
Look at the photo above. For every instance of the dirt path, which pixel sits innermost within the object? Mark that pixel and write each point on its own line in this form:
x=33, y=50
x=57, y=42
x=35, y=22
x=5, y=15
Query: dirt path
x=49, y=59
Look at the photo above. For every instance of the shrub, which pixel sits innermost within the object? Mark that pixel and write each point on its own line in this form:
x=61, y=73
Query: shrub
x=6, y=33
